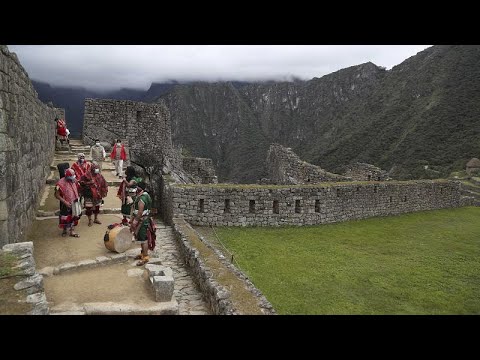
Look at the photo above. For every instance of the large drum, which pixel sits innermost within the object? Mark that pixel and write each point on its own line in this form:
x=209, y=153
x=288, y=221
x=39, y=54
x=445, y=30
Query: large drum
x=118, y=239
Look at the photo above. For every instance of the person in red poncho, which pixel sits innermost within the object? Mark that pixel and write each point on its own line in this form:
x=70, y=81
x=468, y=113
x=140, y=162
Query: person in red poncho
x=66, y=190
x=118, y=156
x=62, y=131
x=94, y=188
x=81, y=166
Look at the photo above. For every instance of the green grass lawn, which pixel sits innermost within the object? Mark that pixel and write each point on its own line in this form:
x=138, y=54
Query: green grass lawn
x=418, y=263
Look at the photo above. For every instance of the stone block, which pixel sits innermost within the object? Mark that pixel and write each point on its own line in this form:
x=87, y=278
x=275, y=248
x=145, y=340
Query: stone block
x=40, y=308
x=102, y=259
x=87, y=263
x=19, y=249
x=155, y=261
x=66, y=267
x=163, y=287
x=118, y=257
x=158, y=270
x=36, y=298
x=35, y=280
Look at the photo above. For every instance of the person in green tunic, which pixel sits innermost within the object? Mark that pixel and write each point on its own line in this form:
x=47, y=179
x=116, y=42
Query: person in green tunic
x=141, y=224
x=127, y=191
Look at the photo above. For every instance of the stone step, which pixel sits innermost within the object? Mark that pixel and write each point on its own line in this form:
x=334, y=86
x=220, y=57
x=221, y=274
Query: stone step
x=109, y=182
x=475, y=194
x=470, y=187
x=42, y=213
x=112, y=308
x=475, y=180
x=106, y=166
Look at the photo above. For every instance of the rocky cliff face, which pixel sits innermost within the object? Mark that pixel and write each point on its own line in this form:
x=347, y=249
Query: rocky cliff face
x=425, y=111
x=419, y=120
x=235, y=125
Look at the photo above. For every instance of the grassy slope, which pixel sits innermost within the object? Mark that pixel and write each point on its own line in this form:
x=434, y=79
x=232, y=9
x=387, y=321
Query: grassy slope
x=420, y=263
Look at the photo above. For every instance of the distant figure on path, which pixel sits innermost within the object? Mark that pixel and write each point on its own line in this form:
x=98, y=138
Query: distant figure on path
x=98, y=154
x=66, y=190
x=118, y=155
x=62, y=133
x=94, y=188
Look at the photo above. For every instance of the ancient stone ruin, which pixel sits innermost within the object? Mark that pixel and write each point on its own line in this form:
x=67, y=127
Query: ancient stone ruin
x=185, y=190
x=365, y=172
x=286, y=168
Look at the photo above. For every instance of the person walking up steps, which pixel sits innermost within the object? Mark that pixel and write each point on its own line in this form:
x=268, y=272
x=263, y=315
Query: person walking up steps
x=118, y=156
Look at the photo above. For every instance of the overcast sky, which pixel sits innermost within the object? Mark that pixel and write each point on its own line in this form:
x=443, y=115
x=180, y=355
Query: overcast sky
x=107, y=67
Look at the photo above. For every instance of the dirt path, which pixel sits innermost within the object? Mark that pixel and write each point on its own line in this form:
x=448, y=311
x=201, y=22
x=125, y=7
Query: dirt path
x=105, y=283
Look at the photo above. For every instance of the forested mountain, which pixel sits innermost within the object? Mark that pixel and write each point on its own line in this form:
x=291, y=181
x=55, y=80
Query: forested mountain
x=421, y=119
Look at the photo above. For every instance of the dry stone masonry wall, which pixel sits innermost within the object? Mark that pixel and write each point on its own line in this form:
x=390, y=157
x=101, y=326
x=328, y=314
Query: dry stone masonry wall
x=201, y=169
x=365, y=172
x=27, y=146
x=236, y=205
x=146, y=128
x=286, y=168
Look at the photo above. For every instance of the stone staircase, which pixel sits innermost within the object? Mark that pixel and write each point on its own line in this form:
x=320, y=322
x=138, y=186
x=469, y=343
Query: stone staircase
x=112, y=203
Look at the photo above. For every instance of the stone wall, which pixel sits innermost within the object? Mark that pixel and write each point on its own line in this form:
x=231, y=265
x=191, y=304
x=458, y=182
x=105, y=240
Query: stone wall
x=145, y=127
x=255, y=205
x=27, y=146
x=285, y=168
x=365, y=172
x=201, y=170
x=30, y=282
x=217, y=296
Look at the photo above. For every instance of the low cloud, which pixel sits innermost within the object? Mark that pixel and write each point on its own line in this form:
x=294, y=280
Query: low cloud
x=109, y=67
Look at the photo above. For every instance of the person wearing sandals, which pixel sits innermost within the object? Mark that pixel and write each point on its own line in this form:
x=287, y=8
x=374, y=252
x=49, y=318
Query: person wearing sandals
x=126, y=192
x=94, y=189
x=66, y=190
x=142, y=225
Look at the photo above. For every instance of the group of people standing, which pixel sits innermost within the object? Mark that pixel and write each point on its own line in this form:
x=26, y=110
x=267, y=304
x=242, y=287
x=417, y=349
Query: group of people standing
x=84, y=180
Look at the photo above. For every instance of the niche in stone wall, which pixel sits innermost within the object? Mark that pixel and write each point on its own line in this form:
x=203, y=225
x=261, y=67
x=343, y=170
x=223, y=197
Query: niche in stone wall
x=276, y=209
x=405, y=199
x=227, y=206
x=139, y=115
x=391, y=198
x=317, y=206
x=369, y=177
x=201, y=205
x=297, y=206
x=375, y=189
x=251, y=208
